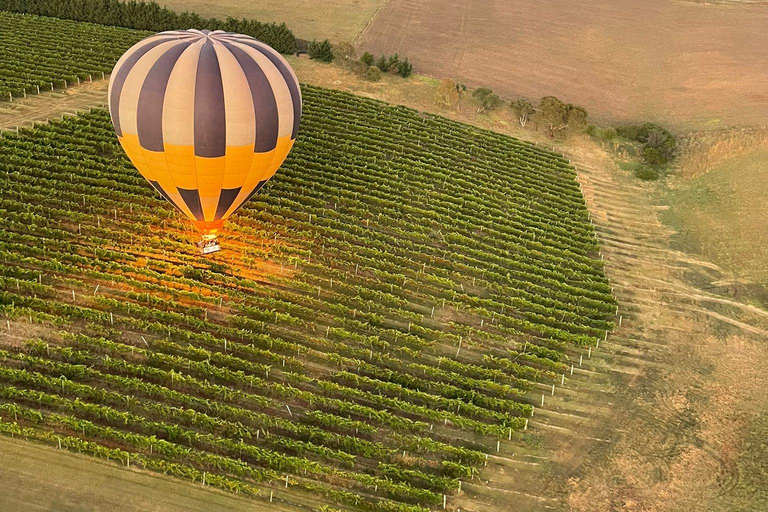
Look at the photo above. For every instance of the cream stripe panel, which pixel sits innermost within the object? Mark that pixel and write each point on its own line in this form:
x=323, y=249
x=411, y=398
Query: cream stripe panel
x=130, y=52
x=238, y=102
x=178, y=111
x=279, y=89
x=129, y=99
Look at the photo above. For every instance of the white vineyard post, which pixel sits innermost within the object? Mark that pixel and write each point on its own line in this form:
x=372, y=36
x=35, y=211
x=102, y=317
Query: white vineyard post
x=542, y=399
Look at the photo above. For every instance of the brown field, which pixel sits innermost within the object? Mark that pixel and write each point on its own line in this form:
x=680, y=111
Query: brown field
x=683, y=63
x=337, y=20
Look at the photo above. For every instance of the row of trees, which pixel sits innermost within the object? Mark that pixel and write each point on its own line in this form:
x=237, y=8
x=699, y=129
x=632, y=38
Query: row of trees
x=367, y=66
x=150, y=16
x=551, y=114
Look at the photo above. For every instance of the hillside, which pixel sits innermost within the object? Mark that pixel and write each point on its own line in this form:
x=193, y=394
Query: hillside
x=383, y=313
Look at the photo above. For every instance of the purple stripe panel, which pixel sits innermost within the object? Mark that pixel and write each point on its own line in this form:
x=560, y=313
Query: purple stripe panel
x=149, y=116
x=210, y=122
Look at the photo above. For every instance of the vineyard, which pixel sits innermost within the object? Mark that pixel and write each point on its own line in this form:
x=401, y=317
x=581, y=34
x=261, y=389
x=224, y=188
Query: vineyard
x=39, y=54
x=384, y=315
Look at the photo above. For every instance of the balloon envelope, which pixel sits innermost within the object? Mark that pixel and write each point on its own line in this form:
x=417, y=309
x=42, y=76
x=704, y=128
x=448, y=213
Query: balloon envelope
x=206, y=117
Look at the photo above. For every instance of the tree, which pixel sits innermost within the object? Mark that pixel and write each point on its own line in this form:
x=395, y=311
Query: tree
x=577, y=117
x=321, y=50
x=367, y=58
x=523, y=109
x=383, y=64
x=394, y=60
x=487, y=99
x=404, y=68
x=554, y=115
x=447, y=93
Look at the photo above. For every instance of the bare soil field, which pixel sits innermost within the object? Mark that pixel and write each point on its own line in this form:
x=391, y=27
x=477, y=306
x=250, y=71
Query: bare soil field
x=337, y=20
x=683, y=63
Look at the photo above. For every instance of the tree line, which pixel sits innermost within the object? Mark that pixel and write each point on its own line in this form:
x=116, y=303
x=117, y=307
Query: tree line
x=151, y=16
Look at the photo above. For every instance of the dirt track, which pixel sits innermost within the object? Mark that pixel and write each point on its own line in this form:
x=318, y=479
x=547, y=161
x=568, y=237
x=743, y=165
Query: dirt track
x=677, y=62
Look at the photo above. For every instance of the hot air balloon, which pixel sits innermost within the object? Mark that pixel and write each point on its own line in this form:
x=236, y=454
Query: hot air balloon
x=206, y=117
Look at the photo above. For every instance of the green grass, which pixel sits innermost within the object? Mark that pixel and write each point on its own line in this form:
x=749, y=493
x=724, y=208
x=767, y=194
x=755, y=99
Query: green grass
x=377, y=320
x=722, y=215
x=37, y=478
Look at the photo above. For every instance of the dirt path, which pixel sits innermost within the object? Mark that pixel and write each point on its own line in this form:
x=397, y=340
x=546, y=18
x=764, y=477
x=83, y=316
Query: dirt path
x=49, y=105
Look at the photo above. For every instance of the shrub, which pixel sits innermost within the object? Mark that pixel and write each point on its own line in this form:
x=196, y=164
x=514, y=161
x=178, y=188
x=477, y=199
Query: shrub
x=343, y=51
x=373, y=74
x=659, y=145
x=404, y=68
x=647, y=173
x=367, y=58
x=321, y=50
x=602, y=134
x=488, y=100
x=447, y=93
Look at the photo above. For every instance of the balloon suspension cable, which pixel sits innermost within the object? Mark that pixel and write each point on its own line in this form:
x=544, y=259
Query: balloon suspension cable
x=208, y=244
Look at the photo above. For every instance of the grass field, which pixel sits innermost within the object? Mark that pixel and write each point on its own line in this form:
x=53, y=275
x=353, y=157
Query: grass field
x=722, y=215
x=680, y=63
x=380, y=318
x=337, y=20
x=37, y=478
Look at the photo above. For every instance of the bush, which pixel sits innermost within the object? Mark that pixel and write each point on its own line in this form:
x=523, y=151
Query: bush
x=373, y=74
x=367, y=58
x=659, y=145
x=404, y=68
x=602, y=134
x=343, y=51
x=647, y=173
x=321, y=50
x=488, y=100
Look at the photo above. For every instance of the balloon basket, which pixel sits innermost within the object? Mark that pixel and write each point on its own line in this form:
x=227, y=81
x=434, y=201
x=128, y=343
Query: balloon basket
x=208, y=244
